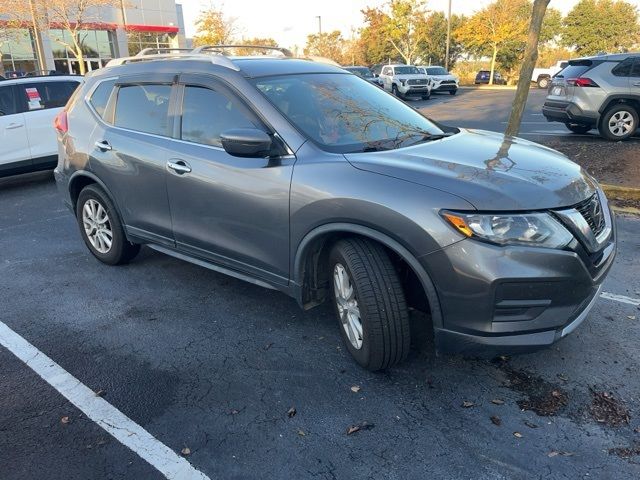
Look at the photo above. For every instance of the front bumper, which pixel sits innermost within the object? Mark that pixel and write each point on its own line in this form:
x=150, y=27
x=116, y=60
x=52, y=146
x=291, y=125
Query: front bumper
x=567, y=112
x=500, y=300
x=444, y=87
x=414, y=90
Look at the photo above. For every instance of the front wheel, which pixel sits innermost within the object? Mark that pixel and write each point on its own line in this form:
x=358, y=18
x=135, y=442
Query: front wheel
x=101, y=229
x=427, y=96
x=453, y=92
x=578, y=127
x=369, y=303
x=619, y=122
x=395, y=91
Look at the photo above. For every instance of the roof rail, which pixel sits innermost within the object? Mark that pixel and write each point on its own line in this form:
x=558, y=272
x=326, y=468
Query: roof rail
x=146, y=57
x=220, y=48
x=150, y=50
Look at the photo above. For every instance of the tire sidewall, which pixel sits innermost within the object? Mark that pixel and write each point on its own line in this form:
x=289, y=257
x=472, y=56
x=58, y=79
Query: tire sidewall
x=113, y=256
x=604, y=123
x=363, y=354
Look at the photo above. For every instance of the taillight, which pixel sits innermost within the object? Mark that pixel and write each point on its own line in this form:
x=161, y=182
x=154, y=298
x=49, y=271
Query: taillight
x=60, y=122
x=582, y=82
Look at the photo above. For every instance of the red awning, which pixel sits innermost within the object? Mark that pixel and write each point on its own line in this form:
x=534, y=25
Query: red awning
x=152, y=28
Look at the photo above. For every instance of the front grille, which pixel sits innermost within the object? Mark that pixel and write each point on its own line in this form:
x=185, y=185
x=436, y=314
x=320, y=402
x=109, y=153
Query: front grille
x=418, y=81
x=448, y=81
x=591, y=211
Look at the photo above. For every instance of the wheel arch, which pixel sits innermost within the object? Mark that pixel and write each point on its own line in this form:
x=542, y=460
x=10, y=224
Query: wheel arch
x=611, y=100
x=314, y=247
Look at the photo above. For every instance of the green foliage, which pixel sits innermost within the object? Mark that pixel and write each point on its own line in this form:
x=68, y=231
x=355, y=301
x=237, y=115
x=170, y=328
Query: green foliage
x=375, y=49
x=326, y=44
x=594, y=26
x=214, y=28
x=432, y=48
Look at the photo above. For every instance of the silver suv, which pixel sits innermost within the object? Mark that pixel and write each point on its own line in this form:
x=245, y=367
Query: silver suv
x=600, y=92
x=405, y=81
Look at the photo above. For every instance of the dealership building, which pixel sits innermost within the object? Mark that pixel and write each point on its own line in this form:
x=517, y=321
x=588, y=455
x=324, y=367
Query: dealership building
x=111, y=32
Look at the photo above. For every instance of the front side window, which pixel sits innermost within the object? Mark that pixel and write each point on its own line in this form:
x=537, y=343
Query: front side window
x=100, y=96
x=341, y=114
x=7, y=101
x=144, y=108
x=207, y=113
x=635, y=71
x=43, y=95
x=386, y=71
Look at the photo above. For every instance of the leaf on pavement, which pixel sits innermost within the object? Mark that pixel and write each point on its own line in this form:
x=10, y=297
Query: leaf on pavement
x=497, y=401
x=355, y=388
x=100, y=393
x=468, y=404
x=530, y=424
x=292, y=412
x=301, y=433
x=360, y=426
x=496, y=420
x=185, y=451
x=517, y=434
x=65, y=420
x=555, y=453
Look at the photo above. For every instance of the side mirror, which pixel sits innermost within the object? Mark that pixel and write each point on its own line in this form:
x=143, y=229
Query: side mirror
x=246, y=142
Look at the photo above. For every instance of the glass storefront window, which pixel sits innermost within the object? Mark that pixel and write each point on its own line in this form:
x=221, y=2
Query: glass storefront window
x=97, y=47
x=140, y=40
x=17, y=51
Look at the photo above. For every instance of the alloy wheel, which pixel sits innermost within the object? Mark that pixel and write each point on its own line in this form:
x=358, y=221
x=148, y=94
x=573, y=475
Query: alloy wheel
x=347, y=303
x=97, y=226
x=621, y=123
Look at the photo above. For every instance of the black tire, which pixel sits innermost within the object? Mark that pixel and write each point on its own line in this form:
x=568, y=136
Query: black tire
x=453, y=92
x=378, y=293
x=426, y=97
x=578, y=127
x=121, y=250
x=605, y=129
x=543, y=82
x=394, y=90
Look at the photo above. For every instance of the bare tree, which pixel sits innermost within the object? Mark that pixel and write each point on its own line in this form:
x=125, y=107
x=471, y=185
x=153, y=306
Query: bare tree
x=528, y=64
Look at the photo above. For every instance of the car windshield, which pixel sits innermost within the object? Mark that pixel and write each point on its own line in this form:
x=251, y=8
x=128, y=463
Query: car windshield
x=361, y=72
x=343, y=114
x=437, y=71
x=406, y=71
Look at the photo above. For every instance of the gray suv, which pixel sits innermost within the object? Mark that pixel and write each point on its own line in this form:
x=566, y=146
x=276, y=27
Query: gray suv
x=600, y=92
x=301, y=177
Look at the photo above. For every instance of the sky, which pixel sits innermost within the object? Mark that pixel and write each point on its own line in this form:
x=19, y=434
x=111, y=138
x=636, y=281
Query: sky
x=290, y=21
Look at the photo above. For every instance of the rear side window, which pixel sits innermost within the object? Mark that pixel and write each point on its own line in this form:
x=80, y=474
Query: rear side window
x=143, y=108
x=7, y=101
x=43, y=95
x=623, y=69
x=635, y=71
x=100, y=96
x=207, y=113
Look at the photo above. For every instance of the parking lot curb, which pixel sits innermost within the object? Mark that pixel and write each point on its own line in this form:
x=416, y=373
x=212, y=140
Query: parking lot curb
x=488, y=87
x=621, y=193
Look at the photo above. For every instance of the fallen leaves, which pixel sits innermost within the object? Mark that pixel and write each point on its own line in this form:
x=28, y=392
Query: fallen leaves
x=100, y=393
x=530, y=424
x=356, y=388
x=496, y=420
x=517, y=434
x=468, y=404
x=497, y=401
x=555, y=453
x=302, y=433
x=606, y=408
x=185, y=451
x=65, y=420
x=292, y=412
x=358, y=427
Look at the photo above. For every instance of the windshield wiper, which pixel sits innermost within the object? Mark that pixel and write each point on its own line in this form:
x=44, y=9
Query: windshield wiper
x=428, y=137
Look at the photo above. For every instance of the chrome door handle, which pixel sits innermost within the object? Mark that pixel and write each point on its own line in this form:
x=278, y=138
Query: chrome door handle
x=103, y=145
x=179, y=167
x=11, y=126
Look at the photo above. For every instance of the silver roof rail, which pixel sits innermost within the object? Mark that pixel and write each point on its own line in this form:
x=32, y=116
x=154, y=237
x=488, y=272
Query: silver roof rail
x=152, y=50
x=220, y=48
x=215, y=59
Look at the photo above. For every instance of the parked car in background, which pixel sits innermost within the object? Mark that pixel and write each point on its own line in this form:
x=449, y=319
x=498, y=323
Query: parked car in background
x=441, y=79
x=600, y=92
x=300, y=177
x=364, y=72
x=28, y=106
x=405, y=81
x=482, y=78
x=543, y=76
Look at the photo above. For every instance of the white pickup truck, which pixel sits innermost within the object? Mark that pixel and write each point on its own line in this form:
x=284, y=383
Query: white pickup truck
x=543, y=76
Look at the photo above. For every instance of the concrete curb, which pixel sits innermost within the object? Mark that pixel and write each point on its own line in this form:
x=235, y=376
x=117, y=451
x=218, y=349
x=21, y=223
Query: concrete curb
x=621, y=193
x=487, y=87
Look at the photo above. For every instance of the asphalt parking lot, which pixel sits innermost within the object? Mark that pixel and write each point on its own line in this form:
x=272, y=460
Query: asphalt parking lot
x=254, y=387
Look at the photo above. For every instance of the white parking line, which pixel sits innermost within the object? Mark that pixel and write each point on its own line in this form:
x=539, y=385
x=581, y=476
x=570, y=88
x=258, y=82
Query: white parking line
x=620, y=298
x=116, y=423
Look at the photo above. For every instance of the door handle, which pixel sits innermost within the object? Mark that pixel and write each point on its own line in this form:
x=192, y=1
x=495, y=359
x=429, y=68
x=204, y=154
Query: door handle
x=637, y=84
x=11, y=126
x=103, y=145
x=179, y=166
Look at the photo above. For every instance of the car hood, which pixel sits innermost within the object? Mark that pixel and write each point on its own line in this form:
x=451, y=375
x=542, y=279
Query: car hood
x=443, y=77
x=489, y=170
x=416, y=76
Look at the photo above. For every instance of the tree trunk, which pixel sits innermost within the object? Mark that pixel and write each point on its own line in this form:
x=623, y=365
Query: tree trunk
x=529, y=63
x=493, y=63
x=80, y=58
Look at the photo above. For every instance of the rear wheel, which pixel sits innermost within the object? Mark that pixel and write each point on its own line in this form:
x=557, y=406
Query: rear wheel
x=101, y=229
x=543, y=82
x=578, y=127
x=369, y=303
x=619, y=122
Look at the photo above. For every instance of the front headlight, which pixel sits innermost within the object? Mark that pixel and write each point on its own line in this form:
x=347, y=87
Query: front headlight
x=403, y=81
x=531, y=229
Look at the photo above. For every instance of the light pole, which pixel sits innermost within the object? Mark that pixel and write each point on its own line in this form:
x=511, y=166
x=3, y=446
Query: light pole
x=319, y=24
x=446, y=55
